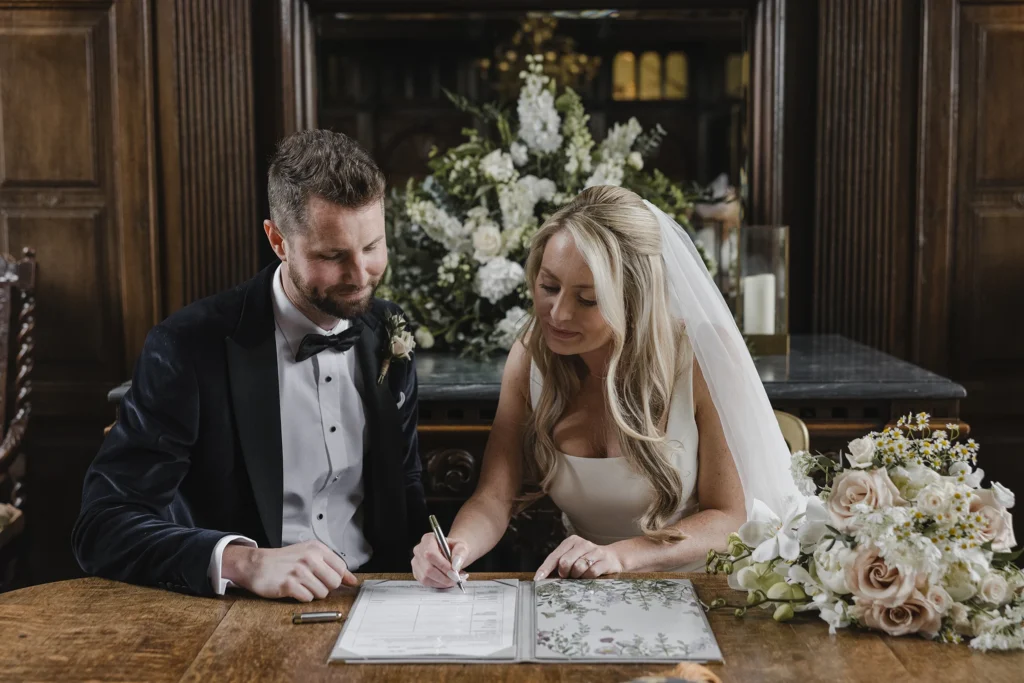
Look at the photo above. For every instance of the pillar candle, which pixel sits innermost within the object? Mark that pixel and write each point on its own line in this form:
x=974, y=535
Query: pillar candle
x=759, y=304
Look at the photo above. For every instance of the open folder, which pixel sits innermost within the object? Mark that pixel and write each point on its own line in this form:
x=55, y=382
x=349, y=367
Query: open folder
x=555, y=620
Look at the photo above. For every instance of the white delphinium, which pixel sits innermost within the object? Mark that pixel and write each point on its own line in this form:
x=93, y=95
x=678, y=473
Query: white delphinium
x=541, y=189
x=450, y=263
x=507, y=329
x=617, y=145
x=635, y=161
x=519, y=153
x=438, y=224
x=498, y=167
x=577, y=133
x=518, y=200
x=538, y=119
x=607, y=173
x=498, y=278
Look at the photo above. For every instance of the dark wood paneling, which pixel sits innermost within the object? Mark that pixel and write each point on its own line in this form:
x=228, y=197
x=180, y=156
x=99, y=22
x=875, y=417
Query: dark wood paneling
x=211, y=227
x=863, y=195
x=75, y=102
x=988, y=237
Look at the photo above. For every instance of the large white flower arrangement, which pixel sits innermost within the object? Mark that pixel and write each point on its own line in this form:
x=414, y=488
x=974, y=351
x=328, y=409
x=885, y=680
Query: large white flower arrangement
x=903, y=539
x=460, y=237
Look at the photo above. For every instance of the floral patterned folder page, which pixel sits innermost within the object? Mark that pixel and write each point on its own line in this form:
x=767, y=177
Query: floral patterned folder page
x=556, y=620
x=621, y=620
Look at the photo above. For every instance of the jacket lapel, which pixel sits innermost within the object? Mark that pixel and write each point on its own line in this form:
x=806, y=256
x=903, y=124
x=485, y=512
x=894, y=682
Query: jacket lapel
x=255, y=396
x=384, y=513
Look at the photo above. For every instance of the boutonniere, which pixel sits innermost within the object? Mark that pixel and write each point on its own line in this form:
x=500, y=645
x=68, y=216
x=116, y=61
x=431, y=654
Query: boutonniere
x=399, y=345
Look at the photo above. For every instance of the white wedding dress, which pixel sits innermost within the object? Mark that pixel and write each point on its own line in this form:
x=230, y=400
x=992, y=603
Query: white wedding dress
x=602, y=499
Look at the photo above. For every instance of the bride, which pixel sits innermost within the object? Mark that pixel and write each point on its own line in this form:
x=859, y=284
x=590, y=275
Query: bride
x=632, y=399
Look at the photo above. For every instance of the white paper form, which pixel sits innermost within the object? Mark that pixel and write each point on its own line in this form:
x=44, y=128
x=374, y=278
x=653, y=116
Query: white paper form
x=402, y=619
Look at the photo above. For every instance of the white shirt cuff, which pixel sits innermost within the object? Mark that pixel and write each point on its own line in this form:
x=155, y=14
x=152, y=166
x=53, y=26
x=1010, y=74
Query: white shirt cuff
x=219, y=583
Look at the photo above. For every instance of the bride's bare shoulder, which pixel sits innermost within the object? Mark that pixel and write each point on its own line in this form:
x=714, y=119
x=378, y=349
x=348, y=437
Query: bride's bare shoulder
x=516, y=374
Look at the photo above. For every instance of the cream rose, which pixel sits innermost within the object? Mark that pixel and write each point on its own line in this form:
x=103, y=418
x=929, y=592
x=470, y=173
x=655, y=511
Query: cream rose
x=402, y=345
x=916, y=615
x=854, y=487
x=959, y=614
x=1003, y=495
x=934, y=498
x=940, y=599
x=997, y=524
x=994, y=589
x=870, y=578
x=862, y=452
x=486, y=242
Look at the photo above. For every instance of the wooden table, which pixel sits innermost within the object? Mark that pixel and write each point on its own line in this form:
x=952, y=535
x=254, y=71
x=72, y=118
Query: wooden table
x=93, y=629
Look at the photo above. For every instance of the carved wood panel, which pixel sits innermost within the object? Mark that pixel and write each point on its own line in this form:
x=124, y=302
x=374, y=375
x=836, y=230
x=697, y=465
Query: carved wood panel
x=988, y=256
x=76, y=184
x=865, y=154
x=211, y=228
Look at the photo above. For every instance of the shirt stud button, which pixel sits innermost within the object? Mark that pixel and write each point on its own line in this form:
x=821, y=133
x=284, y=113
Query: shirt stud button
x=327, y=379
x=320, y=516
x=334, y=429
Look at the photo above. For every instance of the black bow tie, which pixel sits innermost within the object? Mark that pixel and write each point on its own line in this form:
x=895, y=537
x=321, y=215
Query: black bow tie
x=313, y=344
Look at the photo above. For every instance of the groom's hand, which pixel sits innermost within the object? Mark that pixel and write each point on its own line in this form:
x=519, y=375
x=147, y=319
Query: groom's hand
x=304, y=571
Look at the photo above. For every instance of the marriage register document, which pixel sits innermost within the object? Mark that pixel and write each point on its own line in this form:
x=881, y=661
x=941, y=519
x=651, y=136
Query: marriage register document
x=402, y=621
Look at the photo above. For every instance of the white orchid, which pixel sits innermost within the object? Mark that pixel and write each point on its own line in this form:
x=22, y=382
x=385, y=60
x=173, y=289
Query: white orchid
x=770, y=536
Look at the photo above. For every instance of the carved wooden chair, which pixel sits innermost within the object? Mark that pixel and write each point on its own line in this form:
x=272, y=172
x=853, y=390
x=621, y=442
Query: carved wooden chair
x=17, y=288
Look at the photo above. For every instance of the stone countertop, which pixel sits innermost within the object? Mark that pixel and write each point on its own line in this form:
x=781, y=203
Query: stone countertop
x=818, y=367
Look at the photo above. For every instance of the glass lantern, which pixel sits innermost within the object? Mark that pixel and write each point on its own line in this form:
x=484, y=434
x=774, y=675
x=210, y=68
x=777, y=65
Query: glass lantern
x=762, y=305
x=750, y=265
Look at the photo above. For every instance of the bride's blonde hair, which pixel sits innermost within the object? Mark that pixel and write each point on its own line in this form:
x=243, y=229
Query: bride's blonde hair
x=620, y=240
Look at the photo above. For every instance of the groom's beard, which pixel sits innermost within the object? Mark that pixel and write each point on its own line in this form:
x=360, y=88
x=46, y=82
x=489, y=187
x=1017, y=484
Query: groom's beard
x=334, y=301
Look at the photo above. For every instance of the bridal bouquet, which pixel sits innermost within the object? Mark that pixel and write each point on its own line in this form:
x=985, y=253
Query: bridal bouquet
x=902, y=539
x=460, y=237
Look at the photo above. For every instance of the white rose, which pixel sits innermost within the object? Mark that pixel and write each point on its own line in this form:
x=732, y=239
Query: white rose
x=934, y=499
x=830, y=566
x=402, y=345
x=486, y=242
x=960, y=582
x=635, y=160
x=994, y=589
x=862, y=452
x=1003, y=495
x=424, y=338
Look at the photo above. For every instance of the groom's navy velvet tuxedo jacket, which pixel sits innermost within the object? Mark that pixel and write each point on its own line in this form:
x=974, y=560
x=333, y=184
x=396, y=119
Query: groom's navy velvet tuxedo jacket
x=196, y=451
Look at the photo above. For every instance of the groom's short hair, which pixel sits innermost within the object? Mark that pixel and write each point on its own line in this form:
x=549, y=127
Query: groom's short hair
x=323, y=163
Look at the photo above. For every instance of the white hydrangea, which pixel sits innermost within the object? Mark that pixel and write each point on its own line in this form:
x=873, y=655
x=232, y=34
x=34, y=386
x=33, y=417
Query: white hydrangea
x=438, y=224
x=617, y=145
x=800, y=466
x=538, y=119
x=519, y=153
x=498, y=278
x=541, y=189
x=497, y=167
x=606, y=173
x=507, y=329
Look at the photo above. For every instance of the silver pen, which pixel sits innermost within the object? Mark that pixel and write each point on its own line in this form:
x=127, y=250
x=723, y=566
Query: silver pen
x=442, y=542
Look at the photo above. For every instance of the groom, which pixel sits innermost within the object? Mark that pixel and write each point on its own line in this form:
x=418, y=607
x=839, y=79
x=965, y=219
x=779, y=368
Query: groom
x=256, y=447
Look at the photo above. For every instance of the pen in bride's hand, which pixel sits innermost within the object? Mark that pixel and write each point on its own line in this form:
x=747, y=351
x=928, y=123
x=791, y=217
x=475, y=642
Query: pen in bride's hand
x=442, y=542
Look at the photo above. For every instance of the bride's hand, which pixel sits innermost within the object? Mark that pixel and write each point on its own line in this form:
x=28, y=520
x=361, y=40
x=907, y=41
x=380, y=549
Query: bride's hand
x=429, y=566
x=580, y=559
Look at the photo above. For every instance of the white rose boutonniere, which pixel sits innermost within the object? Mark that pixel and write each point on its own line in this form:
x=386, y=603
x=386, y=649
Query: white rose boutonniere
x=399, y=346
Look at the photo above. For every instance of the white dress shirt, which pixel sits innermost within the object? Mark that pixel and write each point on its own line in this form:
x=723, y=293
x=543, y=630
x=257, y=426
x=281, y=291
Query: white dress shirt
x=322, y=441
